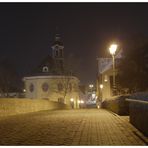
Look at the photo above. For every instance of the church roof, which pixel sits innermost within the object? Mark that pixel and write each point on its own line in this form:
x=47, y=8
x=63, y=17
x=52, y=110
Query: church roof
x=52, y=65
x=46, y=62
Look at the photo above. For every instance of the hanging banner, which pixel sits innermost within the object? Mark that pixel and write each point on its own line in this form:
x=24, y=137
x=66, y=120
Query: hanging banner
x=104, y=64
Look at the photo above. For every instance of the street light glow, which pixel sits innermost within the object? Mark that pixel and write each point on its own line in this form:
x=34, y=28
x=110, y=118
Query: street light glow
x=24, y=90
x=82, y=101
x=101, y=86
x=71, y=99
x=113, y=49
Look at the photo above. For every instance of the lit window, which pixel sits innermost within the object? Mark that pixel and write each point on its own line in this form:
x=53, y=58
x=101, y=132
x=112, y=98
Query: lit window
x=105, y=78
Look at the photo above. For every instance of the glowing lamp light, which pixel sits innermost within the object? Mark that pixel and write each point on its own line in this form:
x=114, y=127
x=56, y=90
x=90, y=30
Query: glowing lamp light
x=82, y=101
x=71, y=99
x=24, y=90
x=79, y=101
x=105, y=78
x=98, y=106
x=101, y=86
x=113, y=49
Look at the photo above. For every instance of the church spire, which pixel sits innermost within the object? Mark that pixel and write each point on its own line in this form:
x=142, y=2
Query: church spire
x=58, y=51
x=57, y=47
x=57, y=34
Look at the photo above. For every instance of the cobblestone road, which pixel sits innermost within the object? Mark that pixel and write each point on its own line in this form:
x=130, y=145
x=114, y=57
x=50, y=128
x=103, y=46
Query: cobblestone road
x=68, y=127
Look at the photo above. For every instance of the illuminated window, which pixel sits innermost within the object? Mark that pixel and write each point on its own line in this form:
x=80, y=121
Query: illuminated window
x=105, y=78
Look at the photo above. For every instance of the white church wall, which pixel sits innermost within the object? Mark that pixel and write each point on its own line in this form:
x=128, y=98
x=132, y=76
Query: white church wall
x=50, y=90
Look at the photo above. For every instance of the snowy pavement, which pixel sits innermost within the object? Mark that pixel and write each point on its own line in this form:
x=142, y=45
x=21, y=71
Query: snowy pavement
x=69, y=127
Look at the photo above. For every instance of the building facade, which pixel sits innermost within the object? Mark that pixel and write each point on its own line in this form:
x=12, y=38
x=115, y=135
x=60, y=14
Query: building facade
x=105, y=77
x=50, y=80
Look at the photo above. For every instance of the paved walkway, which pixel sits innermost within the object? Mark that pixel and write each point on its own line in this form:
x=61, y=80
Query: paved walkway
x=69, y=127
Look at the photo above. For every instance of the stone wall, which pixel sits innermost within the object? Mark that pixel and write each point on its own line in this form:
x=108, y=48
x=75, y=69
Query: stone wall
x=118, y=105
x=13, y=106
x=138, y=111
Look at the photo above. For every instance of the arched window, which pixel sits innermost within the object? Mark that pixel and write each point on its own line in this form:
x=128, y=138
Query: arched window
x=45, y=87
x=45, y=69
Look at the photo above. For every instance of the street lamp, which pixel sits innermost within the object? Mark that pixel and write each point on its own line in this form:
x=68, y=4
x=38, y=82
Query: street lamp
x=112, y=51
x=101, y=94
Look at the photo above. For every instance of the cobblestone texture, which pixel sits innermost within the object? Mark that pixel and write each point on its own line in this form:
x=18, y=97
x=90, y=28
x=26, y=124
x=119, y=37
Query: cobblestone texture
x=69, y=127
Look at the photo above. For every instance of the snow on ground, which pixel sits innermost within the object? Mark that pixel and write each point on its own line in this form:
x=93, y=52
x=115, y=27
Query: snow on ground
x=68, y=127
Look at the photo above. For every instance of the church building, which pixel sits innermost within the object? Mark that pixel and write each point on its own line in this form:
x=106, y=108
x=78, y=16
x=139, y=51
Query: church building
x=51, y=80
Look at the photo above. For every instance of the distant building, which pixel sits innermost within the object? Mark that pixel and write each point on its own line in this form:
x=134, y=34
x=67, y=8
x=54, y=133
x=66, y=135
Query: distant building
x=105, y=77
x=50, y=80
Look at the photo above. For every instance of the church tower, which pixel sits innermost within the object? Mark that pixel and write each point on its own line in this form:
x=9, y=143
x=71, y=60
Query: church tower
x=58, y=53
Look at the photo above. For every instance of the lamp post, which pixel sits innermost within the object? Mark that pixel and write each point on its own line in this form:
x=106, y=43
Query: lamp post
x=101, y=94
x=112, y=50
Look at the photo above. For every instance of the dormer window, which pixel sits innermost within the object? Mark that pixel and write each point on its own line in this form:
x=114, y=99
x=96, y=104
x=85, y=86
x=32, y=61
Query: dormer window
x=45, y=69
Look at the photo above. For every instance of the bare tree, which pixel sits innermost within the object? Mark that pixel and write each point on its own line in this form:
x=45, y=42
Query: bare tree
x=8, y=77
x=65, y=85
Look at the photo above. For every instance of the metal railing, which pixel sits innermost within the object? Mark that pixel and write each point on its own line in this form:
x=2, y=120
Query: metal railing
x=139, y=101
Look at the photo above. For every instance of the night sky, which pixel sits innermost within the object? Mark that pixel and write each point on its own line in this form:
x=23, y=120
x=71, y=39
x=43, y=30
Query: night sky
x=27, y=31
